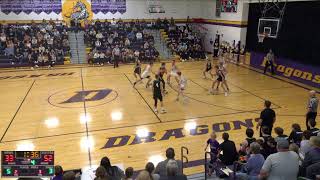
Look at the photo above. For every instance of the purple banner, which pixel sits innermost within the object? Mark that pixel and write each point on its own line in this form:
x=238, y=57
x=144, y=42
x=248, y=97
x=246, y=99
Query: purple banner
x=28, y=6
x=306, y=74
x=106, y=6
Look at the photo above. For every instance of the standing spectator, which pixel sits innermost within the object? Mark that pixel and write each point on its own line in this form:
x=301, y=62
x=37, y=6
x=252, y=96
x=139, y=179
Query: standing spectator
x=113, y=172
x=267, y=118
x=229, y=152
x=254, y=164
x=173, y=172
x=214, y=147
x=312, y=108
x=296, y=134
x=282, y=165
x=161, y=167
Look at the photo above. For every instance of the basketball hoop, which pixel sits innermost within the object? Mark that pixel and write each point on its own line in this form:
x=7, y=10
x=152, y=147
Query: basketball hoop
x=261, y=37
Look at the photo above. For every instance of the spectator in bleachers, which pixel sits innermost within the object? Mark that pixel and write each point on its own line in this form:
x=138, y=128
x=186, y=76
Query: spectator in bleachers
x=250, y=139
x=70, y=175
x=229, y=152
x=150, y=168
x=143, y=175
x=296, y=134
x=112, y=172
x=313, y=155
x=269, y=146
x=282, y=165
x=295, y=148
x=252, y=168
x=313, y=171
x=161, y=167
x=173, y=171
x=305, y=145
x=279, y=131
x=100, y=173
x=58, y=173
x=129, y=173
x=214, y=150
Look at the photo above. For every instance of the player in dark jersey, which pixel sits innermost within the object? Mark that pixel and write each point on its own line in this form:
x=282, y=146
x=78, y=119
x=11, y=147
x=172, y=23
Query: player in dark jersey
x=137, y=69
x=220, y=79
x=207, y=69
x=157, y=94
x=162, y=71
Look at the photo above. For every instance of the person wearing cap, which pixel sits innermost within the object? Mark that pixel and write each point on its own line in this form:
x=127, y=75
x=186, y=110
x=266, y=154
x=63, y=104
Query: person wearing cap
x=312, y=156
x=312, y=108
x=281, y=165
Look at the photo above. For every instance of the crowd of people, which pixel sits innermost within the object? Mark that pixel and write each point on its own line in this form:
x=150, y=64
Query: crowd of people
x=280, y=157
x=116, y=41
x=36, y=44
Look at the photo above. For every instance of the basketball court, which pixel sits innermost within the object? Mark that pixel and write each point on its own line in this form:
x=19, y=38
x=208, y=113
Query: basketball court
x=44, y=110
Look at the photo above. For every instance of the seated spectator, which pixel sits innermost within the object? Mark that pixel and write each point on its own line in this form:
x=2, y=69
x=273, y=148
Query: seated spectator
x=70, y=175
x=305, y=145
x=265, y=133
x=101, y=173
x=143, y=175
x=58, y=173
x=129, y=173
x=113, y=172
x=295, y=148
x=312, y=156
x=252, y=168
x=280, y=135
x=173, y=172
x=250, y=139
x=313, y=171
x=313, y=129
x=150, y=168
x=229, y=152
x=161, y=167
x=282, y=165
x=296, y=134
x=270, y=147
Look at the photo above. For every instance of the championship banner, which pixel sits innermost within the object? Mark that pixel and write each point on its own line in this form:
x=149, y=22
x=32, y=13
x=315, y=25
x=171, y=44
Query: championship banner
x=229, y=6
x=305, y=74
x=28, y=6
x=106, y=6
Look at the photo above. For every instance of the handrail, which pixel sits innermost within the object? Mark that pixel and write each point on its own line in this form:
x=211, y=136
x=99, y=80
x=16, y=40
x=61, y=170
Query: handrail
x=183, y=157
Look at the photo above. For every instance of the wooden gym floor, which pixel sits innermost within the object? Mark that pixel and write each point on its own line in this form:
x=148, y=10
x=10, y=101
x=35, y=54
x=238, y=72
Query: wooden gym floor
x=41, y=110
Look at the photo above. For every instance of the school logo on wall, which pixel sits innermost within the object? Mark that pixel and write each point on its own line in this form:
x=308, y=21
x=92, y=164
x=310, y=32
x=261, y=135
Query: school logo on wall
x=78, y=10
x=78, y=98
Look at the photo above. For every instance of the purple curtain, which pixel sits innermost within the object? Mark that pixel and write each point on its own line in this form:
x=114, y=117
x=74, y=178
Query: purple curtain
x=106, y=6
x=28, y=6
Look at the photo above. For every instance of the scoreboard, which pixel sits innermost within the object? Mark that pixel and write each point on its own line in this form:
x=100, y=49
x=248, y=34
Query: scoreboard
x=27, y=163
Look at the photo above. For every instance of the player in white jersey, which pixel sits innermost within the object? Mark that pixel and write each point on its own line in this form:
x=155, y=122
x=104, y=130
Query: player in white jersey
x=173, y=72
x=146, y=75
x=182, y=85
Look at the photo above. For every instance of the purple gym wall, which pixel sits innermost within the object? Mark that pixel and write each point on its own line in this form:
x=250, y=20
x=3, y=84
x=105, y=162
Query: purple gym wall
x=306, y=74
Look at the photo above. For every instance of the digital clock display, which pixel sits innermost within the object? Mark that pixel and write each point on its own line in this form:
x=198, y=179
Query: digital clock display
x=27, y=163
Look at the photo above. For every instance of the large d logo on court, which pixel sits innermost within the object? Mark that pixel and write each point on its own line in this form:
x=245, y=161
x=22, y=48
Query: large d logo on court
x=75, y=98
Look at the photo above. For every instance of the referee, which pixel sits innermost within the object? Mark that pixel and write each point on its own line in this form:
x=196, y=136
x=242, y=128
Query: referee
x=312, y=108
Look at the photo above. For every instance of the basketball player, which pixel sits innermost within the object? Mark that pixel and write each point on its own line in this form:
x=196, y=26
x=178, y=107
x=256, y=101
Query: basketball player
x=146, y=74
x=207, y=69
x=157, y=94
x=161, y=72
x=269, y=62
x=223, y=68
x=220, y=79
x=137, y=70
x=173, y=72
x=182, y=85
